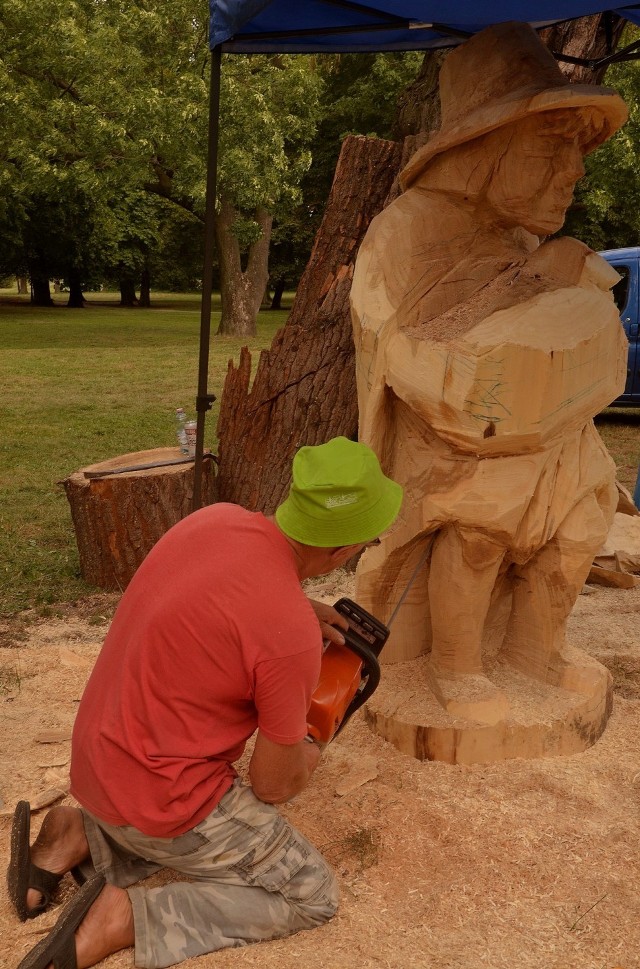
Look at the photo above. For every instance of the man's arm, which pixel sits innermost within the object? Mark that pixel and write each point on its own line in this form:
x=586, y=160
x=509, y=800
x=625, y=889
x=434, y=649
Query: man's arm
x=280, y=771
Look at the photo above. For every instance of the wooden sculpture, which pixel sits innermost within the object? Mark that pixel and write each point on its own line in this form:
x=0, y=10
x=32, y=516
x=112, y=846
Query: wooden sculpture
x=483, y=354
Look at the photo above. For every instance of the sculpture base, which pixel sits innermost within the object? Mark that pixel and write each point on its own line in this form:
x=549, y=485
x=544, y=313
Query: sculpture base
x=541, y=720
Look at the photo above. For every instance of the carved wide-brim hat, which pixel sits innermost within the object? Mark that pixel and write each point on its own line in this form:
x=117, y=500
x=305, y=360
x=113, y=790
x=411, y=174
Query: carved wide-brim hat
x=501, y=75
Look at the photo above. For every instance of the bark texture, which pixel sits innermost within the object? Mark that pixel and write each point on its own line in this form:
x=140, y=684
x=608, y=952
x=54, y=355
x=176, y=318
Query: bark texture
x=590, y=37
x=145, y=288
x=128, y=291
x=119, y=518
x=304, y=387
x=76, y=296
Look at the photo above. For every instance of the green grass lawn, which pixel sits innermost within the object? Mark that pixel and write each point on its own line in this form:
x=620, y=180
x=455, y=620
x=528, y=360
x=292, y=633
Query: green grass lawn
x=619, y=428
x=80, y=386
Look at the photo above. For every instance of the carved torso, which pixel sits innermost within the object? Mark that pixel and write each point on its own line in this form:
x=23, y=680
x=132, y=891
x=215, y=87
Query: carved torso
x=486, y=347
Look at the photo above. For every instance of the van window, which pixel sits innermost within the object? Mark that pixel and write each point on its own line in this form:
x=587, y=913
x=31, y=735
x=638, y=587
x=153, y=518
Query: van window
x=621, y=289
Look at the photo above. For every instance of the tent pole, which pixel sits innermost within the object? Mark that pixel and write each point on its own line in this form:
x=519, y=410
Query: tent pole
x=205, y=399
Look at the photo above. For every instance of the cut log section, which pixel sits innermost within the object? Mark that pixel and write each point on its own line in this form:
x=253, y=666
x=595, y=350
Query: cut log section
x=536, y=720
x=119, y=516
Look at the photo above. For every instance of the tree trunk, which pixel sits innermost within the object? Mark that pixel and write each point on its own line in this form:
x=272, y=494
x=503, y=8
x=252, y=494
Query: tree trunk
x=40, y=292
x=590, y=37
x=76, y=296
x=128, y=292
x=278, y=292
x=22, y=284
x=241, y=291
x=120, y=516
x=304, y=388
x=145, y=288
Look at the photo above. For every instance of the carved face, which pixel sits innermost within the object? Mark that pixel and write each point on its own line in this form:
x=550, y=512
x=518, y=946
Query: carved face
x=540, y=161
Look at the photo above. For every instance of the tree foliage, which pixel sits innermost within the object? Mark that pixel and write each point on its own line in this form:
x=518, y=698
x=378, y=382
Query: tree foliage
x=606, y=210
x=359, y=95
x=86, y=127
x=108, y=102
x=269, y=112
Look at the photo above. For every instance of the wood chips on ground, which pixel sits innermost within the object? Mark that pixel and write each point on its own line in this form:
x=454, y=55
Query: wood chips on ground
x=516, y=865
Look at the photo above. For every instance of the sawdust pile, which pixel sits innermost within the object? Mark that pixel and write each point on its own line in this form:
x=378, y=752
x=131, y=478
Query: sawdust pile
x=516, y=283
x=519, y=865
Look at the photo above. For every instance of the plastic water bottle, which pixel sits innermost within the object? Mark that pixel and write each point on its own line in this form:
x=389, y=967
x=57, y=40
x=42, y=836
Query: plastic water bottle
x=181, y=434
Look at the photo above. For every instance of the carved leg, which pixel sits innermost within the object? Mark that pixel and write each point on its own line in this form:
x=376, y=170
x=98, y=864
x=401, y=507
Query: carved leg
x=464, y=568
x=544, y=593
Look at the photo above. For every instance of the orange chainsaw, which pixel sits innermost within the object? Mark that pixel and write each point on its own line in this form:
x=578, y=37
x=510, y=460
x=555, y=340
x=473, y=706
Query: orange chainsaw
x=349, y=674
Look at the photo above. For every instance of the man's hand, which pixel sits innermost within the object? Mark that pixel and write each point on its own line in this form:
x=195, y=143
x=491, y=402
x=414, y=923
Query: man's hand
x=280, y=771
x=329, y=618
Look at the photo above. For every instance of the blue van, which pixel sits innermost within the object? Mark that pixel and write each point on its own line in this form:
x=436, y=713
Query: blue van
x=626, y=293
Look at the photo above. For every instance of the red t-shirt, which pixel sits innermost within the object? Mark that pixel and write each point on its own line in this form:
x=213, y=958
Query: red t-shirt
x=212, y=639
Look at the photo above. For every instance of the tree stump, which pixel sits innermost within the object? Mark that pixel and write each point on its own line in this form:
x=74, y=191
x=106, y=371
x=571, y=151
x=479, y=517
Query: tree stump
x=119, y=516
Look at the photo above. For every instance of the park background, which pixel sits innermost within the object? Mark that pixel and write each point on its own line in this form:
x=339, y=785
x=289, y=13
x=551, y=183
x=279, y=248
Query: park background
x=102, y=189
x=102, y=182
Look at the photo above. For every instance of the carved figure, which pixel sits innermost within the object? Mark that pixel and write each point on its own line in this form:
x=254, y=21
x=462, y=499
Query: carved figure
x=483, y=354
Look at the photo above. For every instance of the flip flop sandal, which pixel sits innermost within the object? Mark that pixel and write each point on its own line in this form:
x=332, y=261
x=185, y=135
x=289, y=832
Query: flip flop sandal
x=22, y=874
x=59, y=947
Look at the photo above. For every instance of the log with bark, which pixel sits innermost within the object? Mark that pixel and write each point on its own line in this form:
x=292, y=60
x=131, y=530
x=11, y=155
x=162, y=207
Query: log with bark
x=118, y=515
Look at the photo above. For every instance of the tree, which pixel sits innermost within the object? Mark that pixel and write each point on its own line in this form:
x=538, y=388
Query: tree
x=263, y=156
x=314, y=394
x=55, y=236
x=358, y=97
x=176, y=259
x=67, y=164
x=117, y=95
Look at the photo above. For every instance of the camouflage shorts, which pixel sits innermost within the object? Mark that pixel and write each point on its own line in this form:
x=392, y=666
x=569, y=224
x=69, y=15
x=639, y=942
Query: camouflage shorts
x=252, y=877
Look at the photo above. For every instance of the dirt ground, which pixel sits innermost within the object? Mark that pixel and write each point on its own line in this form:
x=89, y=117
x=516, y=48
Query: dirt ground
x=516, y=865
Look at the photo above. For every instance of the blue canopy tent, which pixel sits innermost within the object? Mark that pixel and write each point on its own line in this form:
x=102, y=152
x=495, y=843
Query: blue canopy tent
x=346, y=26
x=325, y=26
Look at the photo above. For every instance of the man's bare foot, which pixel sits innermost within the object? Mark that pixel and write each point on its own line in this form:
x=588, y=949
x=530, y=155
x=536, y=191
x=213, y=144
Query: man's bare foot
x=106, y=928
x=61, y=844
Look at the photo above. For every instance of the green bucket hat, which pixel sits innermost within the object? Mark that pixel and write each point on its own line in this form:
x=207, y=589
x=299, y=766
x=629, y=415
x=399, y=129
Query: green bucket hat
x=339, y=496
